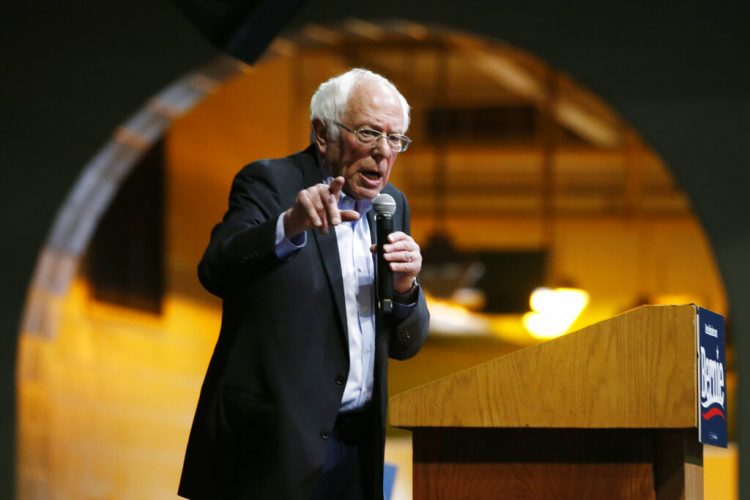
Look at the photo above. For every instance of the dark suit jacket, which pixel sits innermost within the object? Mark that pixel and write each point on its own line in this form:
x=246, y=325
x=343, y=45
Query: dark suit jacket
x=276, y=378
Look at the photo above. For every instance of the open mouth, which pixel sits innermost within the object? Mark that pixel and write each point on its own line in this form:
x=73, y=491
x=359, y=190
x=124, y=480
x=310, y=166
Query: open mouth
x=373, y=175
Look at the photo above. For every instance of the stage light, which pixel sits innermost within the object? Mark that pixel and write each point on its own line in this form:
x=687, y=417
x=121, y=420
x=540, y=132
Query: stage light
x=553, y=311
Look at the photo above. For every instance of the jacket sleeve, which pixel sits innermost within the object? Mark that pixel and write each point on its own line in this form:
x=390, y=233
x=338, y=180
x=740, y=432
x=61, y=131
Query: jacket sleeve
x=409, y=334
x=243, y=243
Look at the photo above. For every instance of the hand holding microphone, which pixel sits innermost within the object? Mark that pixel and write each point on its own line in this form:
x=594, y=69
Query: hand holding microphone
x=399, y=257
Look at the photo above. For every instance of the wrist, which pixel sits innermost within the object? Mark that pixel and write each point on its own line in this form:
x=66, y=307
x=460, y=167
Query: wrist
x=409, y=296
x=291, y=230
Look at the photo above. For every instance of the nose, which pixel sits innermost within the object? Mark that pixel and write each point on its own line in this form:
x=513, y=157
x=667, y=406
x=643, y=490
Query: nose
x=382, y=147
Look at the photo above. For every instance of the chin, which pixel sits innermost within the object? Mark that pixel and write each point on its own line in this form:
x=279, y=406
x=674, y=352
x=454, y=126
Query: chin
x=370, y=194
x=361, y=193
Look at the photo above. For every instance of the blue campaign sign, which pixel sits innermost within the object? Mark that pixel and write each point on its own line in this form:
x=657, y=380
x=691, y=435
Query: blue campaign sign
x=712, y=391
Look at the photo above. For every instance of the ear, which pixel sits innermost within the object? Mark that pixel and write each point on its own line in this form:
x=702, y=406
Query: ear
x=320, y=135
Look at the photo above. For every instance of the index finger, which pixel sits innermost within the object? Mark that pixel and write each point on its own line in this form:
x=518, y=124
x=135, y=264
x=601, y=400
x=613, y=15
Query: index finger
x=398, y=236
x=335, y=187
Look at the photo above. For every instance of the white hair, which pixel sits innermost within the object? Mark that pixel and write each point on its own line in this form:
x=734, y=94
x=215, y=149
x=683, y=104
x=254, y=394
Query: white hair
x=328, y=103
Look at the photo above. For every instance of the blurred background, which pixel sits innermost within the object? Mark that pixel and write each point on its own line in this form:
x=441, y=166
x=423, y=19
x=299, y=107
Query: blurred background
x=554, y=151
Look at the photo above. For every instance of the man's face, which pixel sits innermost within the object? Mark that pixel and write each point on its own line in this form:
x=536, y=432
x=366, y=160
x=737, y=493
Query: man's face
x=365, y=169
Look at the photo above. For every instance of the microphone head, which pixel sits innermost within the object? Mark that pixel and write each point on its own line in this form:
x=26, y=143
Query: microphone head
x=384, y=205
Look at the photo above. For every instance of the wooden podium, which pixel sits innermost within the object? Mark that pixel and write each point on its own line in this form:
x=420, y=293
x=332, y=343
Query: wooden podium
x=606, y=412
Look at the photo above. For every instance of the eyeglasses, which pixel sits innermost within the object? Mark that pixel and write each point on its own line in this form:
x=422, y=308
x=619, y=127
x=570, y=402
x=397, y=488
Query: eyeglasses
x=369, y=137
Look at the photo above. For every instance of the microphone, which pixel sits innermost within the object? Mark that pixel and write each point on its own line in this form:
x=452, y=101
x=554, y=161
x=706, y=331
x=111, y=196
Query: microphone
x=384, y=206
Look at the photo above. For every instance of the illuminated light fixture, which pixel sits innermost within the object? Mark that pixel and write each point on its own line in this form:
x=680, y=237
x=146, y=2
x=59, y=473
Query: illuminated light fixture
x=452, y=319
x=553, y=311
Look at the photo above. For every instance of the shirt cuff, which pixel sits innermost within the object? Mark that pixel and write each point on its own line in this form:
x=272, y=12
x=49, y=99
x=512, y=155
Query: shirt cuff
x=401, y=311
x=285, y=247
x=404, y=303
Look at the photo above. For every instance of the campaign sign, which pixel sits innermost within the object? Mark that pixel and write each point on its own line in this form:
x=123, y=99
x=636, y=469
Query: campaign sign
x=712, y=390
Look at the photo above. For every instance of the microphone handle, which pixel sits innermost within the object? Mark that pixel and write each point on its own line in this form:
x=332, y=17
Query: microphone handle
x=385, y=276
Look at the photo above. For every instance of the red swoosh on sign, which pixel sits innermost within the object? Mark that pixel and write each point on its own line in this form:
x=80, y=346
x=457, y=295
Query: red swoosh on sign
x=713, y=412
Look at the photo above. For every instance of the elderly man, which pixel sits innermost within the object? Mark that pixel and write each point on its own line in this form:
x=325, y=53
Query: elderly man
x=294, y=401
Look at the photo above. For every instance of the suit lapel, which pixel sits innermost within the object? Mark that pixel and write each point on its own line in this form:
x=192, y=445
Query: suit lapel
x=326, y=244
x=374, y=239
x=329, y=254
x=373, y=228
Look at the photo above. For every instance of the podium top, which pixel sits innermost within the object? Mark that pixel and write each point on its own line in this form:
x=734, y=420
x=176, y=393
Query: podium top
x=635, y=370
